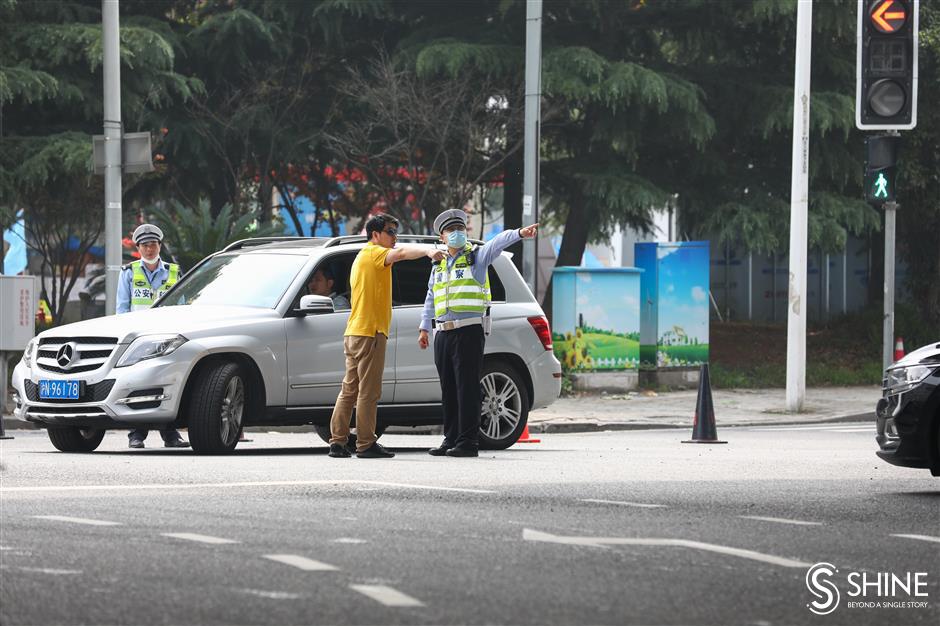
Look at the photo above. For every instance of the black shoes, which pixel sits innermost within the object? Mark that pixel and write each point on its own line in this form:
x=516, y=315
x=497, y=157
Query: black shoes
x=339, y=451
x=462, y=452
x=375, y=451
x=441, y=450
x=135, y=443
x=170, y=443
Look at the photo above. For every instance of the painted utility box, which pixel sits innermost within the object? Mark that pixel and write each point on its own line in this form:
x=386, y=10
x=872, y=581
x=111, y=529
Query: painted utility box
x=596, y=318
x=674, y=303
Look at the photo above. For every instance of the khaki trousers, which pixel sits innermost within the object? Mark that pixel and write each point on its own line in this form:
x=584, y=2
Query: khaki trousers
x=362, y=388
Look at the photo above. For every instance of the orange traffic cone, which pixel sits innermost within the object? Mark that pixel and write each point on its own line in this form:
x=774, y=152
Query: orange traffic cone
x=703, y=429
x=525, y=438
x=899, y=349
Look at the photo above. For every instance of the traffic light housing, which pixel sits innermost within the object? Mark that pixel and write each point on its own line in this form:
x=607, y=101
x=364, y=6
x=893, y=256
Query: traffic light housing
x=881, y=159
x=886, y=85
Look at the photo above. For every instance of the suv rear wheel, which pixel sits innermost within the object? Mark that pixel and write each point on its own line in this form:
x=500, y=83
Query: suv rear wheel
x=504, y=406
x=75, y=439
x=216, y=407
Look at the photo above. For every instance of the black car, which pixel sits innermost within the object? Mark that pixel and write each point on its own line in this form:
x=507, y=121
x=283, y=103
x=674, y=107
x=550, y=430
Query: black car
x=909, y=411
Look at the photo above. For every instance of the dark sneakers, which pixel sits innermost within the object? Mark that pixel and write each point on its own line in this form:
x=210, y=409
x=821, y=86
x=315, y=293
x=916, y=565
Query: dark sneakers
x=173, y=443
x=375, y=451
x=339, y=451
x=463, y=452
x=135, y=443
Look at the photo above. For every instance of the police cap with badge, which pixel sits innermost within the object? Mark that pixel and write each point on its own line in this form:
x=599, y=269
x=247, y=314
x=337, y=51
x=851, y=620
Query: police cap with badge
x=449, y=218
x=146, y=233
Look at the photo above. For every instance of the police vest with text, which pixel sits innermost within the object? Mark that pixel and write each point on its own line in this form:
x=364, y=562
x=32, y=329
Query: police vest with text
x=456, y=290
x=143, y=294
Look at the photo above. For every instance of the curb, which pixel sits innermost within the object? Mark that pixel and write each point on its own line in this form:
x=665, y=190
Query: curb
x=592, y=427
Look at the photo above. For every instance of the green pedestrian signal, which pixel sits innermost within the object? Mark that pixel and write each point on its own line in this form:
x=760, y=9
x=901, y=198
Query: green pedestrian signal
x=881, y=186
x=881, y=168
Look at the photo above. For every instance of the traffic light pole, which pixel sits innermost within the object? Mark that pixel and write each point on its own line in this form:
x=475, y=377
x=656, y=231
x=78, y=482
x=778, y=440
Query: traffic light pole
x=799, y=207
x=112, y=150
x=891, y=212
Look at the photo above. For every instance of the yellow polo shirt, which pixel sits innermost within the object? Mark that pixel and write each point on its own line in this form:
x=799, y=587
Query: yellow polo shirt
x=370, y=282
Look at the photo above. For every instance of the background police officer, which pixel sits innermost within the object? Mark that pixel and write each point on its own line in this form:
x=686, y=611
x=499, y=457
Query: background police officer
x=140, y=284
x=457, y=305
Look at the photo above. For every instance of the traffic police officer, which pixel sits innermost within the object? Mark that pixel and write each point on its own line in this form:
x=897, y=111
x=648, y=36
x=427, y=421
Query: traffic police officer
x=457, y=306
x=140, y=284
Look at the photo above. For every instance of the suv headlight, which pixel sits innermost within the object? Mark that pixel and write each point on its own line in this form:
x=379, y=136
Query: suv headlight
x=904, y=378
x=28, y=353
x=150, y=347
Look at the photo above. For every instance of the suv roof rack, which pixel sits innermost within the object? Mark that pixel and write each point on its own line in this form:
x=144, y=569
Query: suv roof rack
x=338, y=241
x=259, y=241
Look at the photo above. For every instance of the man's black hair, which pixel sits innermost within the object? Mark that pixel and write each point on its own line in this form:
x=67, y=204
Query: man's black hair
x=327, y=273
x=377, y=223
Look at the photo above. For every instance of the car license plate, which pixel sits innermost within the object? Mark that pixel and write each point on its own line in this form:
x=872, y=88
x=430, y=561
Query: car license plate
x=59, y=389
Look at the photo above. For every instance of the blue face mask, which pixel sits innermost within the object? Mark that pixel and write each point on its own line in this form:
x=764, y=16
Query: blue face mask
x=457, y=239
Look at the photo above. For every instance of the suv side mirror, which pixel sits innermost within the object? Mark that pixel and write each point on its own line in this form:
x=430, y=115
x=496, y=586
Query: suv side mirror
x=314, y=305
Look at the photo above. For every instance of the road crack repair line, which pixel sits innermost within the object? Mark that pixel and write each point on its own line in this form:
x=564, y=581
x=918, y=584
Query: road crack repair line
x=641, y=505
x=603, y=542
x=780, y=520
x=77, y=520
x=199, y=538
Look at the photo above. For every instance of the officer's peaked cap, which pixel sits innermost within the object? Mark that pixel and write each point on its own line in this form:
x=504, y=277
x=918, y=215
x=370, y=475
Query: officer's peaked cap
x=449, y=218
x=146, y=233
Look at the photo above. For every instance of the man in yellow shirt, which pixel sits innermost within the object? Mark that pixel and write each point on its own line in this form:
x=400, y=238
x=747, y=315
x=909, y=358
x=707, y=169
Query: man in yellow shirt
x=366, y=335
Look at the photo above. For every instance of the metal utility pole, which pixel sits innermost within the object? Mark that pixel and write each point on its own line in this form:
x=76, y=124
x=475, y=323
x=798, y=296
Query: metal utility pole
x=799, y=206
x=112, y=150
x=891, y=212
x=533, y=94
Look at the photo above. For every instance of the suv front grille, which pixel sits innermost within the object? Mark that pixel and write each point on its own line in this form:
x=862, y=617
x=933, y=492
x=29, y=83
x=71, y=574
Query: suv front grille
x=88, y=353
x=96, y=392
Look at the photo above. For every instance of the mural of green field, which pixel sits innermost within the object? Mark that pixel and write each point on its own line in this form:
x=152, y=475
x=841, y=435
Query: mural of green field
x=672, y=356
x=597, y=351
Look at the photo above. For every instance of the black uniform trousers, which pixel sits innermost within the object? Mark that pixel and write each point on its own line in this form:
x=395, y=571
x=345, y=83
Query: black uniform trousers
x=458, y=355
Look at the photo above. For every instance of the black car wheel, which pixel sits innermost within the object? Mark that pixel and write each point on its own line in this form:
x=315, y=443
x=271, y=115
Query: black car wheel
x=216, y=408
x=75, y=439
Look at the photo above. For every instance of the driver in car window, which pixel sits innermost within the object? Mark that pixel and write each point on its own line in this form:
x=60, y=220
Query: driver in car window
x=322, y=285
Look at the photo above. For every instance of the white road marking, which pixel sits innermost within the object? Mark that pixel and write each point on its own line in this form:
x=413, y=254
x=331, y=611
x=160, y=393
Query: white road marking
x=848, y=427
x=301, y=562
x=77, y=520
x=54, y=572
x=919, y=537
x=386, y=595
x=270, y=483
x=271, y=595
x=637, y=504
x=348, y=540
x=780, y=520
x=200, y=538
x=600, y=542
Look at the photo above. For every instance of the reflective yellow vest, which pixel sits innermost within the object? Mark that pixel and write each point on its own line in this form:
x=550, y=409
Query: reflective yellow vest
x=457, y=291
x=143, y=294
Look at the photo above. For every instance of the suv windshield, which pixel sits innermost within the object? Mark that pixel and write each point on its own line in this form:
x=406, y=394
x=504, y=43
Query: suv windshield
x=257, y=280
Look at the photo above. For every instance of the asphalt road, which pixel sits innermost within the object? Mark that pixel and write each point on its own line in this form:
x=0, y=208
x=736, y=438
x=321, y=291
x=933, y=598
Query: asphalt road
x=603, y=528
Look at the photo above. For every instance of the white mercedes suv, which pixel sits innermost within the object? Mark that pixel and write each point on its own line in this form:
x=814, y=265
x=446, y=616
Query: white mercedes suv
x=239, y=342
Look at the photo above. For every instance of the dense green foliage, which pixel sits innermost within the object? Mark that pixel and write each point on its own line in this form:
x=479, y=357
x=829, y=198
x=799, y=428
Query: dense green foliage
x=646, y=104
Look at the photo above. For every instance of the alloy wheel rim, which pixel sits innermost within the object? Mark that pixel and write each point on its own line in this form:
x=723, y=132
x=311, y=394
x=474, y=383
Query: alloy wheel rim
x=501, y=406
x=233, y=405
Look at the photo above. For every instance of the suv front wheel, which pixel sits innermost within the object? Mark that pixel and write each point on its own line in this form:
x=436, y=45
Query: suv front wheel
x=216, y=407
x=504, y=406
x=75, y=439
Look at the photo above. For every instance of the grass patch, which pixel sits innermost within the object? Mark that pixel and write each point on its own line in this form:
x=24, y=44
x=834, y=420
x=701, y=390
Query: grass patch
x=771, y=375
